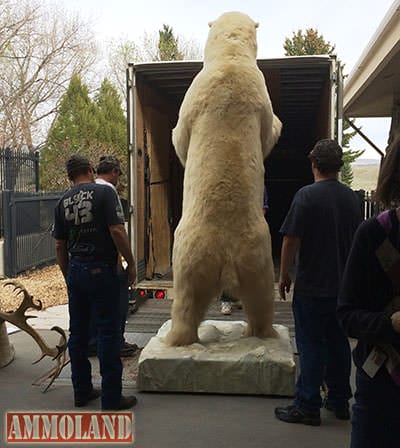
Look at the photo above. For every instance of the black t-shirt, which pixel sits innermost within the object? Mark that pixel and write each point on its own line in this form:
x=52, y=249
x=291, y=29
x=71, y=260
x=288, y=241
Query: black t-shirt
x=324, y=216
x=82, y=218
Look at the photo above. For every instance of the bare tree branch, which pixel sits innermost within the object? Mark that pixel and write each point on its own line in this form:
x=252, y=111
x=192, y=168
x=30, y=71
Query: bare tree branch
x=40, y=49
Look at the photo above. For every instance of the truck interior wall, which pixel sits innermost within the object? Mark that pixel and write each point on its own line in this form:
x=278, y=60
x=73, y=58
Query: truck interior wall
x=158, y=223
x=140, y=185
x=284, y=177
x=324, y=114
x=287, y=169
x=155, y=189
x=160, y=175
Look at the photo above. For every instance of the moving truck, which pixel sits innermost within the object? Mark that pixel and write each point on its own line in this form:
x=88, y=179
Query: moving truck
x=306, y=95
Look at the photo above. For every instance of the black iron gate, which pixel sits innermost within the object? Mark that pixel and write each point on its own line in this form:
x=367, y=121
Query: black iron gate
x=19, y=171
x=28, y=220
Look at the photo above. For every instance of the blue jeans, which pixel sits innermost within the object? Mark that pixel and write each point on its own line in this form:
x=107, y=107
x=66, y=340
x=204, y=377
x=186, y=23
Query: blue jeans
x=376, y=415
x=324, y=354
x=123, y=310
x=93, y=287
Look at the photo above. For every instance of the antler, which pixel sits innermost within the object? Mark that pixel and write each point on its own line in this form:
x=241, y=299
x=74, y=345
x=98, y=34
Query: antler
x=18, y=318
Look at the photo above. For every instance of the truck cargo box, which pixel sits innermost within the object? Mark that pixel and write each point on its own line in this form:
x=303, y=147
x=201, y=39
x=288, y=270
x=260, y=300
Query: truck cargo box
x=303, y=92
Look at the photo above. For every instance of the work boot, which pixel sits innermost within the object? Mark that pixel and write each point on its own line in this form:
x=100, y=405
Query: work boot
x=341, y=412
x=292, y=414
x=124, y=403
x=80, y=402
x=128, y=349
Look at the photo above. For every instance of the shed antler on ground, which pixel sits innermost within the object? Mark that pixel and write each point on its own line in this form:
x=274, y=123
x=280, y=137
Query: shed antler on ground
x=19, y=319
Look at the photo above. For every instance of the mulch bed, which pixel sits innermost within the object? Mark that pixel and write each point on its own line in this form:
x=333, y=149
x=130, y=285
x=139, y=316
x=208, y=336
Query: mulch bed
x=45, y=284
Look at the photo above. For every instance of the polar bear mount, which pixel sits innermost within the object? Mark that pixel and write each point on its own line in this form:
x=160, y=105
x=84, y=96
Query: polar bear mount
x=226, y=128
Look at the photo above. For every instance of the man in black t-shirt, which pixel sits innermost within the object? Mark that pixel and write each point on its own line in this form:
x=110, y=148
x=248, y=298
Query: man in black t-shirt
x=89, y=232
x=318, y=230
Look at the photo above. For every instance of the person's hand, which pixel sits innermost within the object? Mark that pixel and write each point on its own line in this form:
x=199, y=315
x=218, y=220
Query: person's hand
x=396, y=321
x=131, y=274
x=285, y=283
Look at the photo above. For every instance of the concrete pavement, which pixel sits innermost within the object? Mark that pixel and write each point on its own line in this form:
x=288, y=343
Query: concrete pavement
x=167, y=419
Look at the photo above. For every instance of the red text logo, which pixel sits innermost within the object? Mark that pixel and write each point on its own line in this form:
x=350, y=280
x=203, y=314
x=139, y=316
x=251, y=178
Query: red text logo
x=71, y=427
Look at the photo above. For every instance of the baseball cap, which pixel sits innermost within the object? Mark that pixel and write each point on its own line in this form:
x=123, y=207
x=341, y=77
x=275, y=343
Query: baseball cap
x=76, y=164
x=107, y=164
x=327, y=155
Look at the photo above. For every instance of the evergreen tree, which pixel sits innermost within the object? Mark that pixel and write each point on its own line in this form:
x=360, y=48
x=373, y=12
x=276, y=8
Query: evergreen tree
x=74, y=127
x=312, y=43
x=168, y=45
x=93, y=127
x=349, y=155
x=111, y=133
x=308, y=43
x=111, y=118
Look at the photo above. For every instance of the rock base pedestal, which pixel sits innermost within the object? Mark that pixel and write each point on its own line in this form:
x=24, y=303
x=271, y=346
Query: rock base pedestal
x=223, y=361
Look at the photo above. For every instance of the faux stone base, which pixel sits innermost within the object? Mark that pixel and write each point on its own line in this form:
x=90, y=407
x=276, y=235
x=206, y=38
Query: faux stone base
x=222, y=362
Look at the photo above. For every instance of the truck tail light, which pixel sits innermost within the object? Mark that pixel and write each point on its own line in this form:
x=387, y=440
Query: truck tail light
x=159, y=294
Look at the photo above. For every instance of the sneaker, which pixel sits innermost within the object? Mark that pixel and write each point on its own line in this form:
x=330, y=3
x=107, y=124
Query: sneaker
x=80, y=402
x=341, y=413
x=128, y=349
x=124, y=403
x=292, y=414
x=226, y=308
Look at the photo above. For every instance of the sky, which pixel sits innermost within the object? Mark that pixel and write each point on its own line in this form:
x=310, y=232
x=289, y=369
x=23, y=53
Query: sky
x=348, y=24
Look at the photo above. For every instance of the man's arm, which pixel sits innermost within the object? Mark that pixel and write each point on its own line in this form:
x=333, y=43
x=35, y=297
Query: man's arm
x=290, y=247
x=62, y=256
x=120, y=238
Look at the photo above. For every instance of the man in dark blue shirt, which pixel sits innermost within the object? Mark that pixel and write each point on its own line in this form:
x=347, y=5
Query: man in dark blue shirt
x=89, y=232
x=319, y=229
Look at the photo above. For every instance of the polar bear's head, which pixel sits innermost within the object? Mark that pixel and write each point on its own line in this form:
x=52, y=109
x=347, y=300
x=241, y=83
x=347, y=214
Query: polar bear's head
x=233, y=33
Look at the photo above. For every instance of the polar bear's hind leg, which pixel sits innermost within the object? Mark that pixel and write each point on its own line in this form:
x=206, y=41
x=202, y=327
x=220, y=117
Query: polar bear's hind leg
x=193, y=293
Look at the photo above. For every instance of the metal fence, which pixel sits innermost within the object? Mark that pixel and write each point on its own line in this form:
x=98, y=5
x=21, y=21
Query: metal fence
x=19, y=171
x=369, y=206
x=28, y=220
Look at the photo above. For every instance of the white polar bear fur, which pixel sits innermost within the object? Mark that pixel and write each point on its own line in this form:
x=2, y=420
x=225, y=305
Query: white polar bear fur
x=226, y=128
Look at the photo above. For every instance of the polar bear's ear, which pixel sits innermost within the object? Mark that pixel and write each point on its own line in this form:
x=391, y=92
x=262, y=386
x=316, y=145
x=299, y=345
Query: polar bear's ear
x=256, y=24
x=210, y=24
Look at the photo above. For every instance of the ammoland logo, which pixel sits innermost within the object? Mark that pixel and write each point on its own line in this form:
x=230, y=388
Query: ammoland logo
x=71, y=427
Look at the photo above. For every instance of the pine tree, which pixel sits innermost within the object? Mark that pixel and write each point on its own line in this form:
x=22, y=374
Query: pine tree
x=94, y=127
x=349, y=155
x=308, y=43
x=111, y=133
x=168, y=45
x=111, y=119
x=74, y=127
